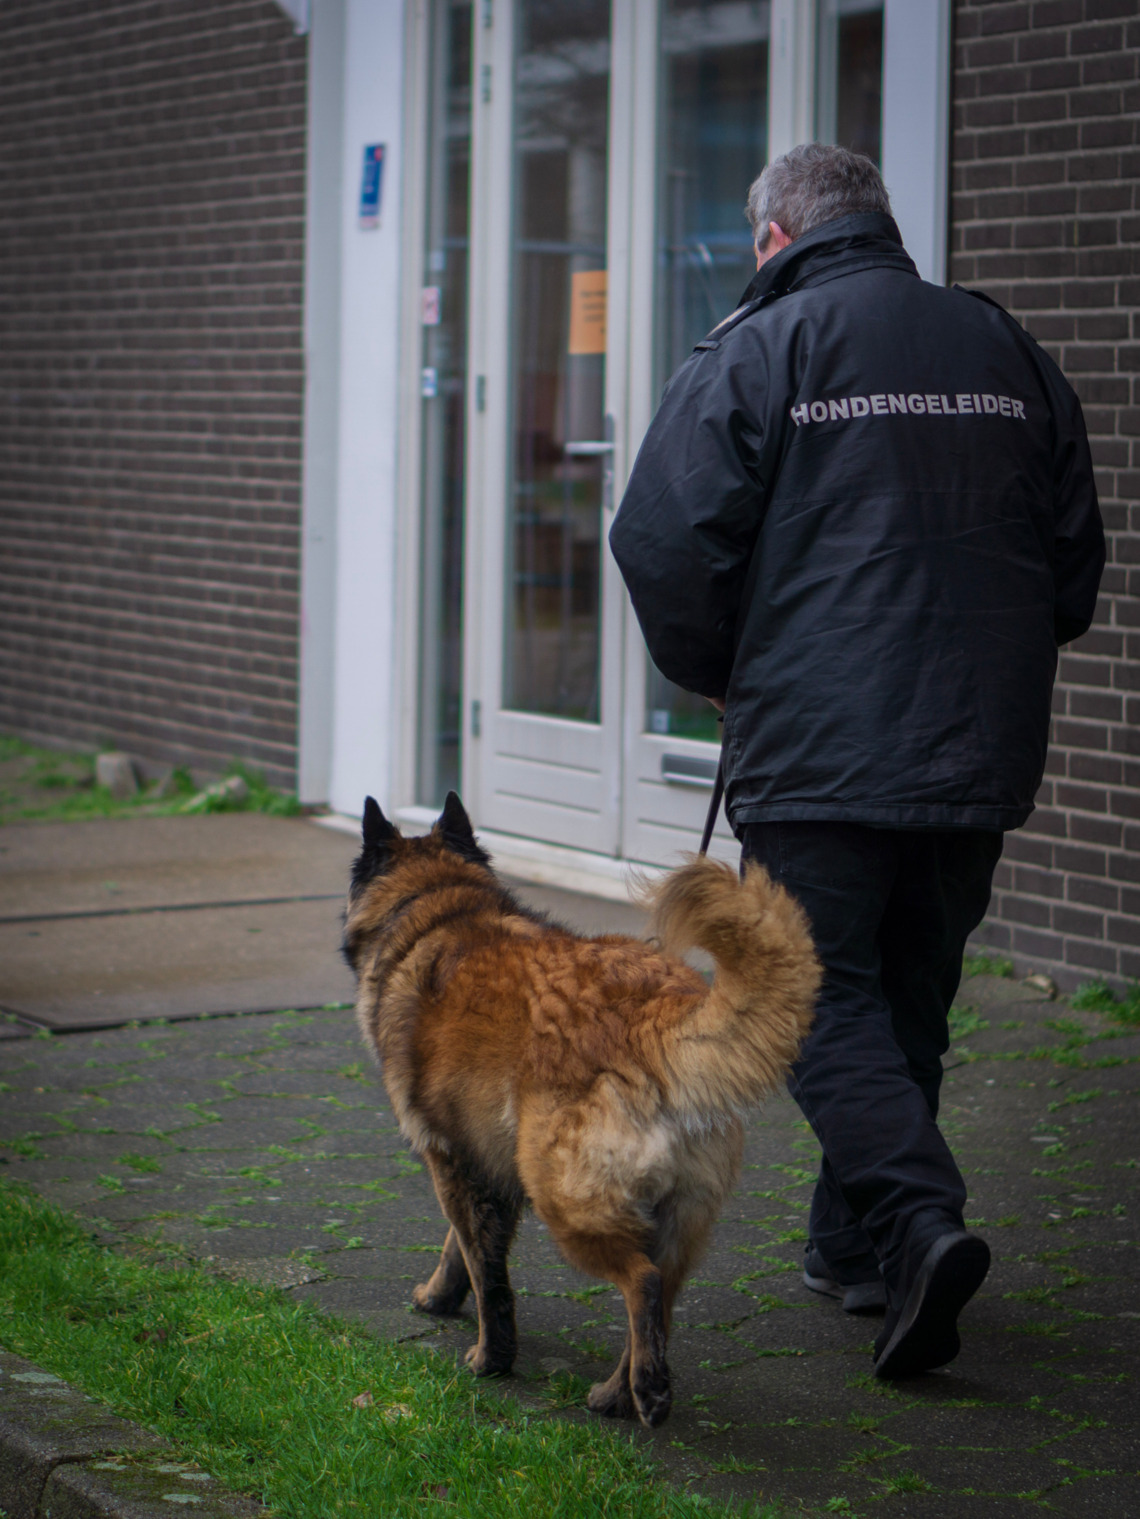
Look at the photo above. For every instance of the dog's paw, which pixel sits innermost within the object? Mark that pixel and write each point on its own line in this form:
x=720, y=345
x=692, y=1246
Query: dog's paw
x=612, y=1399
x=482, y=1362
x=653, y=1400
x=444, y=1304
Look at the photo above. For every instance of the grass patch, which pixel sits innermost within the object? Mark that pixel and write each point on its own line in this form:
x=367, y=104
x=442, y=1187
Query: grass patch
x=1099, y=997
x=565, y=1390
x=305, y=1412
x=145, y=1165
x=987, y=965
x=48, y=785
x=906, y=1482
x=963, y=1021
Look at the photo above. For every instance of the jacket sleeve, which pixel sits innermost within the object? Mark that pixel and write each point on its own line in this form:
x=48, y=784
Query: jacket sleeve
x=688, y=521
x=1079, y=541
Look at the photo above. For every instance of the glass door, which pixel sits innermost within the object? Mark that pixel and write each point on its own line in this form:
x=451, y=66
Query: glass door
x=546, y=756
x=710, y=124
x=612, y=146
x=559, y=455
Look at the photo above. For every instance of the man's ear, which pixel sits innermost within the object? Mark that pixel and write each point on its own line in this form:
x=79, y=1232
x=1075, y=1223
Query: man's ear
x=455, y=829
x=377, y=834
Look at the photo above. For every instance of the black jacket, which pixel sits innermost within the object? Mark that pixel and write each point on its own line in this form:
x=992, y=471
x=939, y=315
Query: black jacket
x=865, y=516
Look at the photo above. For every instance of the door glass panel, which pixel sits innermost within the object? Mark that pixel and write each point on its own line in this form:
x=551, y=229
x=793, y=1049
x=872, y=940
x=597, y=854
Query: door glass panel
x=712, y=143
x=442, y=386
x=849, y=95
x=558, y=295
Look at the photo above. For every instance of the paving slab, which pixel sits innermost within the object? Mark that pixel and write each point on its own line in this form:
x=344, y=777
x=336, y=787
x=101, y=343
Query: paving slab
x=278, y=1160
x=119, y=864
x=92, y=973
x=122, y=919
x=116, y=919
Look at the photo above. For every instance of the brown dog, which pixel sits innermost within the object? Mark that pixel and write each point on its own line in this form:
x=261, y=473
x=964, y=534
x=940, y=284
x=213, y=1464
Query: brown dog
x=601, y=1079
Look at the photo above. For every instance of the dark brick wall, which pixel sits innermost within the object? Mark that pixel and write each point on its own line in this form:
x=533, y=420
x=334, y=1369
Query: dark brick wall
x=152, y=157
x=1046, y=218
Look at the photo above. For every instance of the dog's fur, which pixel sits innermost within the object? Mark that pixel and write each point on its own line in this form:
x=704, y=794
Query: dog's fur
x=601, y=1079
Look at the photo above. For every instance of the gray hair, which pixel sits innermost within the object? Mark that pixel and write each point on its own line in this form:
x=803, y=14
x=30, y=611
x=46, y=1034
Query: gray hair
x=810, y=185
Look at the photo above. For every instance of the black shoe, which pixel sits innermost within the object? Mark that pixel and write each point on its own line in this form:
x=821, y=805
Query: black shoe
x=869, y=1296
x=923, y=1334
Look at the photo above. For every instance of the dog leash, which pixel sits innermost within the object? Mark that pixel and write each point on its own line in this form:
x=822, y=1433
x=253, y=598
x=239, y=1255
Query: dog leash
x=714, y=806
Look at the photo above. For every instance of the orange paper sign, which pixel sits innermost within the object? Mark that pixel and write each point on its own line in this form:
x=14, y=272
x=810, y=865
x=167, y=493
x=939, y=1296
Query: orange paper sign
x=588, y=311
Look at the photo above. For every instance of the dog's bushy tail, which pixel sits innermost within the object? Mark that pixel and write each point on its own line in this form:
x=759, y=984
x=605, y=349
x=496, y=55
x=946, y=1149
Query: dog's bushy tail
x=738, y=1043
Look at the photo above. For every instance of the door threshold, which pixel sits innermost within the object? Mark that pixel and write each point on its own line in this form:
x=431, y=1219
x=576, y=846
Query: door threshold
x=593, y=875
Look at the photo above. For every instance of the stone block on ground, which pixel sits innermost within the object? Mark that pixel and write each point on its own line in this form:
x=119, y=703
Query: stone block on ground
x=117, y=772
x=231, y=792
x=165, y=784
x=267, y=1271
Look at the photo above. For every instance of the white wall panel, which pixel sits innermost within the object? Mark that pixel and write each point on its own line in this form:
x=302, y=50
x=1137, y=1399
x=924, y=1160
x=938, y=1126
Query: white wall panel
x=323, y=252
x=363, y=694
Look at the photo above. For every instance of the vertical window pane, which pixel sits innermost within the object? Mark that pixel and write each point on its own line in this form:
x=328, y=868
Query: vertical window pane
x=850, y=79
x=443, y=382
x=558, y=294
x=712, y=143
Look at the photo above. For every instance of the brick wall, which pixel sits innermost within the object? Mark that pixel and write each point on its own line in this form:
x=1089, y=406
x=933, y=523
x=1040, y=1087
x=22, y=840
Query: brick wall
x=152, y=193
x=1046, y=219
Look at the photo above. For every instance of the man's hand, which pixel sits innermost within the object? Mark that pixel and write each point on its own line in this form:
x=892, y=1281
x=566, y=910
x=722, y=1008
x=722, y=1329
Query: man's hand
x=717, y=703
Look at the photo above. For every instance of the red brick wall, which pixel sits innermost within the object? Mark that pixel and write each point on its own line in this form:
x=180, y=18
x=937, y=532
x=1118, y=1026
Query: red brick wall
x=152, y=191
x=1046, y=219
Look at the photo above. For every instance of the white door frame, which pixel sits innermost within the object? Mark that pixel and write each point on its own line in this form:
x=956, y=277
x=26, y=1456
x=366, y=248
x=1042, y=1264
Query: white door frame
x=541, y=777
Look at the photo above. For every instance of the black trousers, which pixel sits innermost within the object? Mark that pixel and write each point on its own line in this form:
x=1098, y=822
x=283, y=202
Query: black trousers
x=890, y=910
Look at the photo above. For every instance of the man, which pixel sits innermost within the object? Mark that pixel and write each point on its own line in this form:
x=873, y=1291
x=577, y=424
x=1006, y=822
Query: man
x=861, y=523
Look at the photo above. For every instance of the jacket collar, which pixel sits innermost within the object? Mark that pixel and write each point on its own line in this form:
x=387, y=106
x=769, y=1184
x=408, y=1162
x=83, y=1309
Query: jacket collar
x=868, y=239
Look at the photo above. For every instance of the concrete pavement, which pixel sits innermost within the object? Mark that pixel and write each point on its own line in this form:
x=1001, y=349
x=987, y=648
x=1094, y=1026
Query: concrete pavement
x=278, y=1160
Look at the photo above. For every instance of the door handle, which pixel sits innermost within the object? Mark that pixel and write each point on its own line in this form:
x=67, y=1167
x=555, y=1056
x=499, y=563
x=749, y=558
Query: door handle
x=688, y=770
x=598, y=448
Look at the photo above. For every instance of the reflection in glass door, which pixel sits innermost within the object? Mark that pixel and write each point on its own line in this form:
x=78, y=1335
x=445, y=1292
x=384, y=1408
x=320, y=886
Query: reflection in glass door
x=712, y=143
x=560, y=453
x=443, y=391
x=849, y=87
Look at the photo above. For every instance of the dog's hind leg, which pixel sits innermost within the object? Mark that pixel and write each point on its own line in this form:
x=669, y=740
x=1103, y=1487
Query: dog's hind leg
x=446, y=1290
x=648, y=1372
x=613, y=1398
x=640, y=1383
x=483, y=1224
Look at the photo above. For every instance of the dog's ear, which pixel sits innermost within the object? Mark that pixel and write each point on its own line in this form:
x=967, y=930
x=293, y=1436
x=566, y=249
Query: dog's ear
x=455, y=829
x=375, y=828
x=378, y=834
